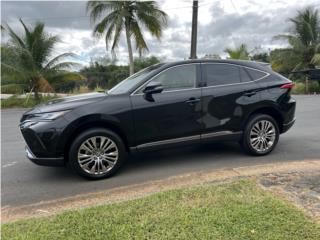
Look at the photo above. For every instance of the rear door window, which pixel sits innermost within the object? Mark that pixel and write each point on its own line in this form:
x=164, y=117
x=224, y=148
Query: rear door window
x=255, y=74
x=221, y=74
x=244, y=75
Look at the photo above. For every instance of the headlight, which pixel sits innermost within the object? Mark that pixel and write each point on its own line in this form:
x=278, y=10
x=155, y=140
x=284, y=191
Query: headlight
x=47, y=116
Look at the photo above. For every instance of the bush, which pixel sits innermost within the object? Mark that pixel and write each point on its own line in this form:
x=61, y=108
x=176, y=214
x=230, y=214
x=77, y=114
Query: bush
x=314, y=87
x=99, y=89
x=298, y=88
x=81, y=89
x=11, y=89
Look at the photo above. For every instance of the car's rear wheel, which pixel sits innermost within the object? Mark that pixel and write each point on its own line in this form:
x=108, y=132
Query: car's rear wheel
x=97, y=153
x=261, y=135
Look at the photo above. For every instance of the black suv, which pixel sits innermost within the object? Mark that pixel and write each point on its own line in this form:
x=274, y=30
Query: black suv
x=167, y=104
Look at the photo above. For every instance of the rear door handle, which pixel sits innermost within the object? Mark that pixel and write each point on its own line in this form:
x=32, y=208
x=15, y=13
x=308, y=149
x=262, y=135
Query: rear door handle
x=249, y=94
x=192, y=100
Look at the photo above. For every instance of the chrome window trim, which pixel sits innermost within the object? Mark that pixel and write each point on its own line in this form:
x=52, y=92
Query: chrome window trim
x=185, y=89
x=221, y=85
x=164, y=70
x=230, y=84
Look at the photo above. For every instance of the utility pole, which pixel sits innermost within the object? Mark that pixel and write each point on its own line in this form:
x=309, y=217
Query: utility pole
x=193, y=52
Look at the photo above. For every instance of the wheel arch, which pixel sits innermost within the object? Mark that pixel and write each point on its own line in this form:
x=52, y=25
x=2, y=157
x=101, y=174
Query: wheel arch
x=268, y=110
x=90, y=123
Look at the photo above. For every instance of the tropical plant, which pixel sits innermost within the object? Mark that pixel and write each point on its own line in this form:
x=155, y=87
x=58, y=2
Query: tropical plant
x=283, y=60
x=240, y=52
x=261, y=57
x=304, y=40
x=107, y=75
x=114, y=17
x=28, y=60
x=143, y=62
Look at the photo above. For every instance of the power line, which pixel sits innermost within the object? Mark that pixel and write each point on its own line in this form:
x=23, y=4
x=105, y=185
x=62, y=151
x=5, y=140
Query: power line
x=48, y=18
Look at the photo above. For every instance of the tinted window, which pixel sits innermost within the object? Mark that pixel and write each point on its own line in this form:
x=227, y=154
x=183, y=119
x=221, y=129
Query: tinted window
x=244, y=75
x=180, y=77
x=255, y=74
x=220, y=74
x=127, y=84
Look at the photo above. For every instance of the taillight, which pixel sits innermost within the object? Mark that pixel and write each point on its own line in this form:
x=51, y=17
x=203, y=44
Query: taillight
x=287, y=85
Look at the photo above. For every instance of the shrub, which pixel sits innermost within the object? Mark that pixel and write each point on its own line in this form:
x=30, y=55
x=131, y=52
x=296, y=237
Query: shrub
x=99, y=89
x=314, y=87
x=298, y=88
x=81, y=89
x=11, y=89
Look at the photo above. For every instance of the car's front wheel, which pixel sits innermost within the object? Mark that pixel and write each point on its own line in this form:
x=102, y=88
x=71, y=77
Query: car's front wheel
x=97, y=153
x=261, y=135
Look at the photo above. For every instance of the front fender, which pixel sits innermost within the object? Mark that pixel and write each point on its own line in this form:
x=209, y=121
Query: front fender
x=90, y=121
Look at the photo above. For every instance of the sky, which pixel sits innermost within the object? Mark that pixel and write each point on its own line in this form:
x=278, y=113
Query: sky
x=221, y=24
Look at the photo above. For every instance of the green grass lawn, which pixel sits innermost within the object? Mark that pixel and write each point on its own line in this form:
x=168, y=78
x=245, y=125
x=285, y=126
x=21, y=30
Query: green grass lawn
x=237, y=210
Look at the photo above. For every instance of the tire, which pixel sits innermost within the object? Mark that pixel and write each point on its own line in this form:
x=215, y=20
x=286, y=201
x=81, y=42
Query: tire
x=100, y=147
x=259, y=143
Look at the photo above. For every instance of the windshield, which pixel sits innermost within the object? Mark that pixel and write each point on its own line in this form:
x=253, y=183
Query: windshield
x=126, y=85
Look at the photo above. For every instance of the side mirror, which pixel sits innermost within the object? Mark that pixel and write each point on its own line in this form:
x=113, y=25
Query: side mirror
x=152, y=88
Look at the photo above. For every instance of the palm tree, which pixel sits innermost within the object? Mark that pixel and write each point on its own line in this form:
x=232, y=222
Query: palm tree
x=129, y=16
x=304, y=40
x=30, y=62
x=240, y=52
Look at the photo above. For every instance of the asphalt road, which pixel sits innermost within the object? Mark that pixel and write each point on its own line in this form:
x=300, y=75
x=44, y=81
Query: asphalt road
x=23, y=182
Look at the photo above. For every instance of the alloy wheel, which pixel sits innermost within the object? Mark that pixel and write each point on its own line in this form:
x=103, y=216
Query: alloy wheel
x=262, y=136
x=98, y=155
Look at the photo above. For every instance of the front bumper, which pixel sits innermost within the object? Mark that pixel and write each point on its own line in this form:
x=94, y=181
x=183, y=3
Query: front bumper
x=42, y=139
x=54, y=162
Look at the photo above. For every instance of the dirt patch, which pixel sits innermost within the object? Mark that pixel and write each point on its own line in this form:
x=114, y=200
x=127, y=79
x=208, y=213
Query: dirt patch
x=140, y=190
x=300, y=188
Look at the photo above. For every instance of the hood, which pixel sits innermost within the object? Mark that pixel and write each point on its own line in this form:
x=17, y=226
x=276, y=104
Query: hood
x=70, y=102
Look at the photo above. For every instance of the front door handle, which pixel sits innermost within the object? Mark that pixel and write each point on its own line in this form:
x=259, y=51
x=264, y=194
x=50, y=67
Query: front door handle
x=193, y=100
x=249, y=94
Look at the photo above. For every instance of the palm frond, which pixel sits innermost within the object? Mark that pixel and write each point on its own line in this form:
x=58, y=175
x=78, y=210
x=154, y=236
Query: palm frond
x=240, y=52
x=57, y=59
x=28, y=57
x=149, y=14
x=316, y=59
x=63, y=66
x=138, y=37
x=64, y=77
x=11, y=68
x=106, y=23
x=97, y=8
x=14, y=38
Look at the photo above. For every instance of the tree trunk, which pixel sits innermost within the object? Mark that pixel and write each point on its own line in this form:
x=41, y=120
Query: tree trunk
x=36, y=94
x=36, y=89
x=306, y=85
x=131, y=67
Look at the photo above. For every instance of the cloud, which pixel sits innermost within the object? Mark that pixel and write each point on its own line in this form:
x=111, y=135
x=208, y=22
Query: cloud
x=59, y=14
x=221, y=24
x=251, y=26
